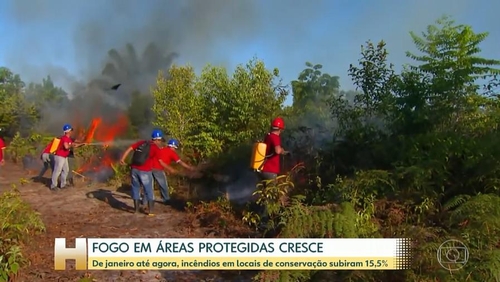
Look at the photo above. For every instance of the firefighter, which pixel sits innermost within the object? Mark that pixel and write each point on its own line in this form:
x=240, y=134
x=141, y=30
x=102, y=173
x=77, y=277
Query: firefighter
x=167, y=156
x=48, y=160
x=271, y=166
x=145, y=153
x=61, y=166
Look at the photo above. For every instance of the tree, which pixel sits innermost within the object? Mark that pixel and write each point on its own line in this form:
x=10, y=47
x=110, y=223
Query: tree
x=215, y=112
x=46, y=93
x=450, y=52
x=493, y=86
x=434, y=159
x=449, y=59
x=313, y=86
x=139, y=112
x=177, y=106
x=10, y=82
x=15, y=112
x=244, y=103
x=370, y=108
x=309, y=120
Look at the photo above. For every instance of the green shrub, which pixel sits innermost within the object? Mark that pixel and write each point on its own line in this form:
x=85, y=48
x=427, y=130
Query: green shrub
x=20, y=146
x=18, y=222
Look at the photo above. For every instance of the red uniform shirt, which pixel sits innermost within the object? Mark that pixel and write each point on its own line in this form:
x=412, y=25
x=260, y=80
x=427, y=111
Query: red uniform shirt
x=47, y=149
x=272, y=164
x=167, y=155
x=2, y=147
x=61, y=151
x=153, y=155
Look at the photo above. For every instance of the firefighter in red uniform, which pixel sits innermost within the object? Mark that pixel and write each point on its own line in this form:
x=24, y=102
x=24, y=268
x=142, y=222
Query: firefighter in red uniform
x=271, y=167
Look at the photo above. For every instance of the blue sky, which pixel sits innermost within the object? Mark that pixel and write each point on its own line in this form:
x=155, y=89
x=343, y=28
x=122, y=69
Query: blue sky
x=69, y=39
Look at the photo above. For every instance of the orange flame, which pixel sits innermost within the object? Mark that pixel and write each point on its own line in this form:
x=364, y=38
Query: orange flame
x=89, y=136
x=110, y=132
x=99, y=131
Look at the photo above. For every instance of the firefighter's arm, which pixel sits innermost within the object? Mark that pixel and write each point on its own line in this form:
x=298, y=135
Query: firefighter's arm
x=279, y=150
x=66, y=145
x=125, y=154
x=193, y=173
x=167, y=167
x=78, y=144
x=186, y=166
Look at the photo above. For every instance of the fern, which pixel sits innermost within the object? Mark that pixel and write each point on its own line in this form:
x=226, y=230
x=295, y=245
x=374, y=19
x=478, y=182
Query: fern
x=456, y=201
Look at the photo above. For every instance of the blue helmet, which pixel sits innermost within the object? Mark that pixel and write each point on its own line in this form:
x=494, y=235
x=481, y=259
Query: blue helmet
x=156, y=134
x=173, y=143
x=67, y=127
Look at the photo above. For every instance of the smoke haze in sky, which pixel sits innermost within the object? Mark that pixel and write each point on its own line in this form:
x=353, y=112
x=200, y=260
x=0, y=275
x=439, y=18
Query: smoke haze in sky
x=70, y=39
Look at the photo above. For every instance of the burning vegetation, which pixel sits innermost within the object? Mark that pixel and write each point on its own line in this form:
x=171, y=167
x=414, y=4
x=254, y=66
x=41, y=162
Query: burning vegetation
x=102, y=152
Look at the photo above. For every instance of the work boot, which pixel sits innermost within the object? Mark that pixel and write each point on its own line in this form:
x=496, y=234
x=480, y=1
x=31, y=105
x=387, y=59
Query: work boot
x=137, y=205
x=151, y=205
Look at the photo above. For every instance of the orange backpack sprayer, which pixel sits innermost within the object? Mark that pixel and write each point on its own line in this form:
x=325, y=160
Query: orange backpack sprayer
x=258, y=156
x=55, y=145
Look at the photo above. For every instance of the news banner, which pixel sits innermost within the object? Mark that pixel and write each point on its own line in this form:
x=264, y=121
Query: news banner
x=234, y=254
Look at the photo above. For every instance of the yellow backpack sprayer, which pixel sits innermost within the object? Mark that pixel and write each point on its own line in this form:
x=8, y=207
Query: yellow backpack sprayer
x=258, y=156
x=55, y=145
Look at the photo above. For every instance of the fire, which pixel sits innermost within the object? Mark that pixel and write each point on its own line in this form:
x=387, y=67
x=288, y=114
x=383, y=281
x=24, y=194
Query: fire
x=110, y=132
x=100, y=131
x=91, y=131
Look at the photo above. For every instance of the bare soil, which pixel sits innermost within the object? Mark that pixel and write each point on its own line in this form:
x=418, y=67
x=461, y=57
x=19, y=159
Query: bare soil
x=99, y=211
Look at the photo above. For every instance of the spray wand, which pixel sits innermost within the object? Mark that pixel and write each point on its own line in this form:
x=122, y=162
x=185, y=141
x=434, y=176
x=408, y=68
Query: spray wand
x=109, y=143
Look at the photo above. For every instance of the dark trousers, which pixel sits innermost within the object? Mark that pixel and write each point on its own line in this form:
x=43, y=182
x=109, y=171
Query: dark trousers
x=48, y=162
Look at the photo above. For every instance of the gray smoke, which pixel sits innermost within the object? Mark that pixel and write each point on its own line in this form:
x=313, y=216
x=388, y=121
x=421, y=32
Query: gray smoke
x=98, y=98
x=201, y=32
x=141, y=38
x=221, y=31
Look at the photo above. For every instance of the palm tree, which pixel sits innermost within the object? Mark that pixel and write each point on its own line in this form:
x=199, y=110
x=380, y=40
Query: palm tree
x=134, y=73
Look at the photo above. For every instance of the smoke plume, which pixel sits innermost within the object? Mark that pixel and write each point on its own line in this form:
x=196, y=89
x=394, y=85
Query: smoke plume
x=201, y=32
x=98, y=98
x=141, y=39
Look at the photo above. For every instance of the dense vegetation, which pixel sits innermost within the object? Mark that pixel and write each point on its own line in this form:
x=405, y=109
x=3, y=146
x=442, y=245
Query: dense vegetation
x=409, y=154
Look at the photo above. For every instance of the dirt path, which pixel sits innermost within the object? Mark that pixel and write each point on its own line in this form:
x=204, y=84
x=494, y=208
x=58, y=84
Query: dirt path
x=98, y=211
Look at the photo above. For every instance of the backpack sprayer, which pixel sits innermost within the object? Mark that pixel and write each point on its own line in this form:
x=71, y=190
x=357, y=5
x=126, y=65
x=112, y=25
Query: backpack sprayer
x=258, y=156
x=55, y=145
x=109, y=143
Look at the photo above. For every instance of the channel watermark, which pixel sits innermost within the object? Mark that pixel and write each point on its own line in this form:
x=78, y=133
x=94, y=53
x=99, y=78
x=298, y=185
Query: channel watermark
x=78, y=253
x=453, y=255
